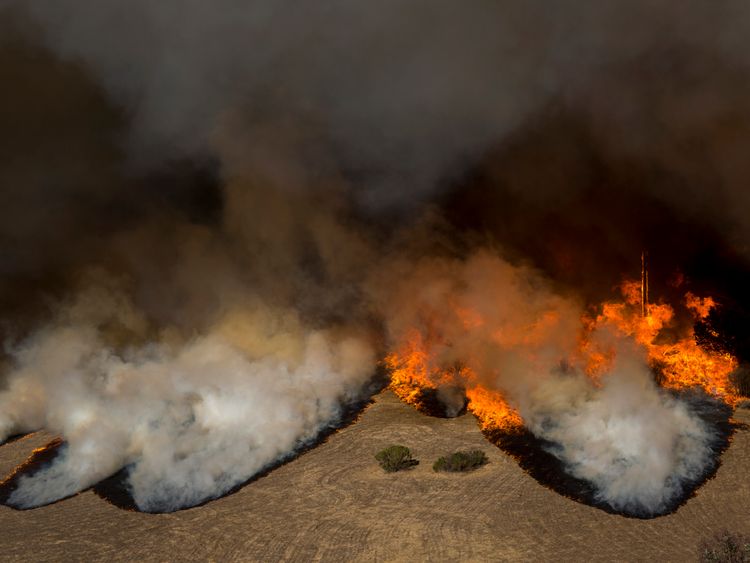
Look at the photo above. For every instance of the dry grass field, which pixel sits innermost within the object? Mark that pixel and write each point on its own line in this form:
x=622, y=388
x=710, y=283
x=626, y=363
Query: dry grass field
x=334, y=503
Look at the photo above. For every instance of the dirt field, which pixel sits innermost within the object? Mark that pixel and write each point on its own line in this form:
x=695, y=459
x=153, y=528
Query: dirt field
x=335, y=504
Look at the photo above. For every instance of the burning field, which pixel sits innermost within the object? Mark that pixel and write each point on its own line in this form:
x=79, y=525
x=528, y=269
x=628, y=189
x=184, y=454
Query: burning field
x=226, y=227
x=634, y=418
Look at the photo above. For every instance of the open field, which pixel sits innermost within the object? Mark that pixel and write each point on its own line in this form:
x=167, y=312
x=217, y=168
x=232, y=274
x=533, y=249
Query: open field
x=335, y=504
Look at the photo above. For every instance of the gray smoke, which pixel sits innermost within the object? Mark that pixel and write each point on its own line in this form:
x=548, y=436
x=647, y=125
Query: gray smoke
x=409, y=90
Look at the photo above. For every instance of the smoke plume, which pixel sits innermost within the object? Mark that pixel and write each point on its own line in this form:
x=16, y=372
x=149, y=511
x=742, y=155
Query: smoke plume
x=218, y=216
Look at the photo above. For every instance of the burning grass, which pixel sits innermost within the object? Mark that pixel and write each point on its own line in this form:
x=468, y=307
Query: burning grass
x=579, y=402
x=416, y=380
x=681, y=363
x=420, y=378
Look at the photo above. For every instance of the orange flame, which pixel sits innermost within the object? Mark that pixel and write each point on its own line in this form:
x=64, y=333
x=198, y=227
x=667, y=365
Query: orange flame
x=413, y=370
x=679, y=362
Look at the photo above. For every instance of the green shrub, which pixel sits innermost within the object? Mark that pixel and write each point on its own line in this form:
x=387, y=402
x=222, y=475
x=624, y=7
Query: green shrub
x=461, y=461
x=395, y=458
x=725, y=547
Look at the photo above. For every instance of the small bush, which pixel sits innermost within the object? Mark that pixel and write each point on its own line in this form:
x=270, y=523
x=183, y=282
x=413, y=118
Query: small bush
x=461, y=461
x=725, y=547
x=395, y=458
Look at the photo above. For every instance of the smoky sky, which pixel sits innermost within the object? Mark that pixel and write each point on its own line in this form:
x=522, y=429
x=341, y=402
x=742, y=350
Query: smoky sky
x=403, y=99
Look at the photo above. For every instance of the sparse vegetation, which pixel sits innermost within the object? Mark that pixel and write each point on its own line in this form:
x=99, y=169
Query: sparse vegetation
x=461, y=461
x=725, y=547
x=395, y=458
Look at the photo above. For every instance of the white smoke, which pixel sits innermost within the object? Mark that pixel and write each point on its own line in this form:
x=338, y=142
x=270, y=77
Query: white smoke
x=190, y=420
x=635, y=443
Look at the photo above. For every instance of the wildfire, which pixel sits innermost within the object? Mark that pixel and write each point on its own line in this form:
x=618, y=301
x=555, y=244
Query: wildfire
x=413, y=370
x=679, y=362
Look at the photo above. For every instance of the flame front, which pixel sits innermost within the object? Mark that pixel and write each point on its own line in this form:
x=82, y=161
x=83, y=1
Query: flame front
x=413, y=369
x=419, y=360
x=680, y=363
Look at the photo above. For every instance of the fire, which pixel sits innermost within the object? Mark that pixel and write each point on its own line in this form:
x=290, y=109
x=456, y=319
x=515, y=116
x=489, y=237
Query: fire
x=680, y=362
x=418, y=363
x=413, y=370
x=492, y=410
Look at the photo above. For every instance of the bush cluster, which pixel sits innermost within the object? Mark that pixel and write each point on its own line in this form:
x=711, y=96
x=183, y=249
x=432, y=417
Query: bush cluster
x=395, y=458
x=461, y=461
x=725, y=547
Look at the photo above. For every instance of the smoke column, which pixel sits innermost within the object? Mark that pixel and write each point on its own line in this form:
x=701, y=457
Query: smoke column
x=212, y=214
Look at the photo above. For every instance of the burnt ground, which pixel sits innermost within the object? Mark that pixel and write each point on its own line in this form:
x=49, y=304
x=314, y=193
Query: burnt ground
x=334, y=503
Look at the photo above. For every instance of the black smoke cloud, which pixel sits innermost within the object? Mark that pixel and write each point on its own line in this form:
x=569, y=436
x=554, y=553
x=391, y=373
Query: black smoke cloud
x=405, y=97
x=197, y=190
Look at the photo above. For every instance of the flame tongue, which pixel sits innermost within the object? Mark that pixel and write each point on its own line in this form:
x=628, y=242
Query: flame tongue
x=680, y=363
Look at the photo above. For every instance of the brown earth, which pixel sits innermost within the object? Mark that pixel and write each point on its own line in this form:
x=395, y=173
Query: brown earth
x=334, y=503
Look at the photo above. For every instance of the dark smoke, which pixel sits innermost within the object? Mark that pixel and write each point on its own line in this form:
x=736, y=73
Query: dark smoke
x=206, y=206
